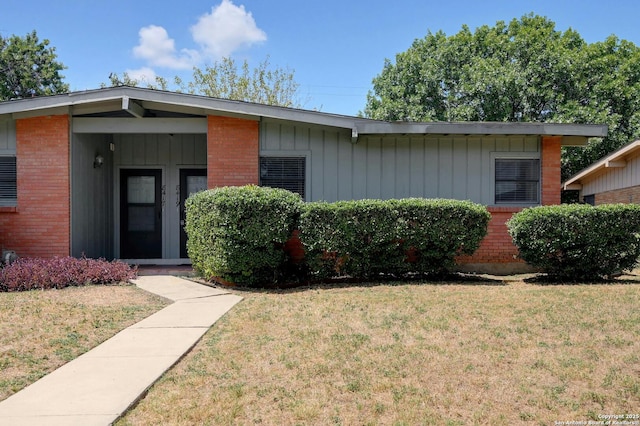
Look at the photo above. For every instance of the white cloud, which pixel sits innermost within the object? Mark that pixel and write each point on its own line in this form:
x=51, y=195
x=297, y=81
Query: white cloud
x=143, y=75
x=226, y=29
x=158, y=49
x=218, y=34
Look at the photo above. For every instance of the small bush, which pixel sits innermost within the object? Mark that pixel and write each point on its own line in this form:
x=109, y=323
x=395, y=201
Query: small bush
x=366, y=238
x=578, y=242
x=60, y=272
x=238, y=233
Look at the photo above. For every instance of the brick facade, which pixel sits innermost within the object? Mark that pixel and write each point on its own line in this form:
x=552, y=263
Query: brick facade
x=233, y=151
x=39, y=226
x=624, y=195
x=497, y=246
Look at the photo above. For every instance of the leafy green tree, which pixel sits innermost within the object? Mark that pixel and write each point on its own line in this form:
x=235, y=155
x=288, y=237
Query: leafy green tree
x=29, y=67
x=525, y=70
x=225, y=79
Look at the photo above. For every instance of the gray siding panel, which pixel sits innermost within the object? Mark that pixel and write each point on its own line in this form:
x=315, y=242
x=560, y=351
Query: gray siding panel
x=8, y=137
x=91, y=198
x=427, y=166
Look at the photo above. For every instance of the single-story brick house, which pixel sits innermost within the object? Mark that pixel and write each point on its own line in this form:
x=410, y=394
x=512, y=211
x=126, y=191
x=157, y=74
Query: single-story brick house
x=613, y=179
x=105, y=173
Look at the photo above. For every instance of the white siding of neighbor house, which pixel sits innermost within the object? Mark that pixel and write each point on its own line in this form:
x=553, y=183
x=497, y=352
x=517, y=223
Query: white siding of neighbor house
x=7, y=137
x=614, y=178
x=458, y=167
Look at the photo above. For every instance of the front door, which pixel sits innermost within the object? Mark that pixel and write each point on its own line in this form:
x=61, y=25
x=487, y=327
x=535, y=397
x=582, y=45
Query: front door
x=140, y=213
x=191, y=181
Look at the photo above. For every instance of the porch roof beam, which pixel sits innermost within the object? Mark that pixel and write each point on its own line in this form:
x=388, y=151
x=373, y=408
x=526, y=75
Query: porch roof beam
x=135, y=125
x=132, y=107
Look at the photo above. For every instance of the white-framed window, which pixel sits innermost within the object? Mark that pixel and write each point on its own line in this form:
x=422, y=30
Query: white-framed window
x=285, y=172
x=8, y=181
x=516, y=180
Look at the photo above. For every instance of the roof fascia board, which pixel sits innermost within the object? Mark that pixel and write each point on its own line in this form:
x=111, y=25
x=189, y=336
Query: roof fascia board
x=484, y=128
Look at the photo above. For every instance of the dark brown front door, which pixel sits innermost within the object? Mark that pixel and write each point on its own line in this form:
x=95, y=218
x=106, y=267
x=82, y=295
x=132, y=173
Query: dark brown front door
x=140, y=214
x=191, y=181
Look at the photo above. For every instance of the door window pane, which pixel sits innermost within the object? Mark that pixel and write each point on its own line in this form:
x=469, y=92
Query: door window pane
x=196, y=184
x=141, y=190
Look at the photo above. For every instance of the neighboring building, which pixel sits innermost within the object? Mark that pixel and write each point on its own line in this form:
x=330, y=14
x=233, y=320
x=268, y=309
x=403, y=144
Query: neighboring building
x=105, y=173
x=614, y=179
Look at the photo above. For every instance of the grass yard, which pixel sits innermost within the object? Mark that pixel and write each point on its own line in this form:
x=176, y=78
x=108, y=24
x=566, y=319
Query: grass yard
x=42, y=330
x=407, y=354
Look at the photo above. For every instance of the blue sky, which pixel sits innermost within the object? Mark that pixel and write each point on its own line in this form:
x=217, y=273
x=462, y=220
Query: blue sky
x=335, y=47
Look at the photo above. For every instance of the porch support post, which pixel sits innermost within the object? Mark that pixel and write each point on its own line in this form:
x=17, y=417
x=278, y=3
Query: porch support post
x=551, y=176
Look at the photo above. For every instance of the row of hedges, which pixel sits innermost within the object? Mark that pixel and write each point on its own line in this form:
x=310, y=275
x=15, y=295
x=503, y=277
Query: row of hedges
x=369, y=238
x=238, y=234
x=578, y=242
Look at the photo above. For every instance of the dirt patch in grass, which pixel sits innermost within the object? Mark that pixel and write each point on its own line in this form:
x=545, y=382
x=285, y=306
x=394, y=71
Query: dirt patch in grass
x=410, y=354
x=42, y=330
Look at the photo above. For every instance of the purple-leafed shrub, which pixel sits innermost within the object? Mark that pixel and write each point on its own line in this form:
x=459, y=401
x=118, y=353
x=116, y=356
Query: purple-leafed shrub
x=60, y=272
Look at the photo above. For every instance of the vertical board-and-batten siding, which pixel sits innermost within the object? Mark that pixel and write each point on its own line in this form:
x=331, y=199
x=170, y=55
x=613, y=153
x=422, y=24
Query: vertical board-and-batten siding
x=91, y=197
x=615, y=178
x=382, y=167
x=7, y=137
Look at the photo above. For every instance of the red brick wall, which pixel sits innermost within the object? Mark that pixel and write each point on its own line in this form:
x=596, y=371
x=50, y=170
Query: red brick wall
x=624, y=195
x=40, y=224
x=232, y=151
x=550, y=164
x=497, y=246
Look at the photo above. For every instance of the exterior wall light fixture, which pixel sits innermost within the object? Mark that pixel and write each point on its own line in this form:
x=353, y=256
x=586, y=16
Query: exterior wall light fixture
x=98, y=161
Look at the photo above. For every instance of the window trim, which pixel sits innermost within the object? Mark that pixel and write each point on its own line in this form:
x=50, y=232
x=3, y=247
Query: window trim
x=11, y=201
x=525, y=155
x=292, y=154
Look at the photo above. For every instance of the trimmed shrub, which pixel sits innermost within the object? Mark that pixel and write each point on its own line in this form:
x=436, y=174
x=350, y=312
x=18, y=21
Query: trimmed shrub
x=366, y=238
x=237, y=234
x=59, y=272
x=574, y=242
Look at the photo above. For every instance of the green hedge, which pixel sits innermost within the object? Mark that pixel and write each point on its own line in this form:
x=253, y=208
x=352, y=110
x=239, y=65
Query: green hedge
x=238, y=233
x=578, y=242
x=366, y=238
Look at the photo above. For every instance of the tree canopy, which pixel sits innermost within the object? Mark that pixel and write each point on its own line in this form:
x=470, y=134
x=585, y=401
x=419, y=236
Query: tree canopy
x=524, y=70
x=29, y=67
x=227, y=80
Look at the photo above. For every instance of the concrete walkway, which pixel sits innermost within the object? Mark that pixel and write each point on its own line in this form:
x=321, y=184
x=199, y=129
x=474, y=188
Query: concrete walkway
x=97, y=387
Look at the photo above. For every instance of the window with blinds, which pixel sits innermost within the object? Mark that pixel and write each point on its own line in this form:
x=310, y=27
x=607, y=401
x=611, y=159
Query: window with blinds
x=517, y=181
x=284, y=172
x=8, y=181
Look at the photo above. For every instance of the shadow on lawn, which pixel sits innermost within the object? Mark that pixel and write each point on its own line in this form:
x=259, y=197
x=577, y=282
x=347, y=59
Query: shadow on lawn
x=346, y=282
x=546, y=280
x=457, y=278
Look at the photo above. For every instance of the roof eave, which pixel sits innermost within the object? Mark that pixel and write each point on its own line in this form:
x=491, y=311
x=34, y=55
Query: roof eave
x=358, y=126
x=602, y=164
